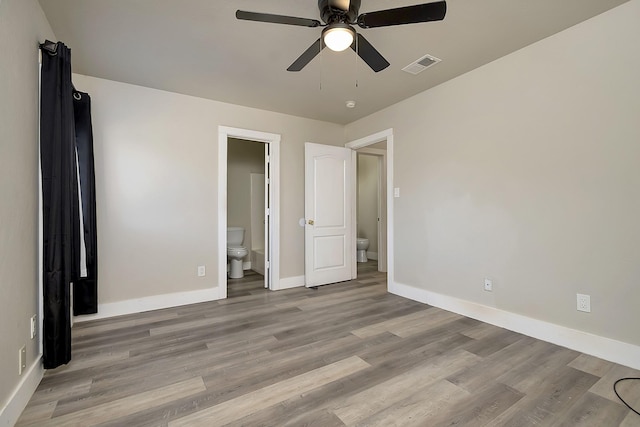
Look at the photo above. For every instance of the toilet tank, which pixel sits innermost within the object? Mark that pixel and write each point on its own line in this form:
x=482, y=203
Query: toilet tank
x=235, y=236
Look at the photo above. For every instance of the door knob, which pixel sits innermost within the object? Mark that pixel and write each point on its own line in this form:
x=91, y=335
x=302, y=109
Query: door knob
x=310, y=222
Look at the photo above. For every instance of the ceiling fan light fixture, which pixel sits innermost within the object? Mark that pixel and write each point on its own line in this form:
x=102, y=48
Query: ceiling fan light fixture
x=338, y=36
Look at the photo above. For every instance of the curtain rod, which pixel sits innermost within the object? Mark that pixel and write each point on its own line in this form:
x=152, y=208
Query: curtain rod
x=50, y=47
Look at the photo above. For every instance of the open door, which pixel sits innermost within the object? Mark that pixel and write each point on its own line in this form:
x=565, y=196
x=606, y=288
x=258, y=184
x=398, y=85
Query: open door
x=267, y=217
x=329, y=250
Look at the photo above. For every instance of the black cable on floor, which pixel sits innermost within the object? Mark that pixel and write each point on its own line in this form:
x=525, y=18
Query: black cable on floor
x=619, y=397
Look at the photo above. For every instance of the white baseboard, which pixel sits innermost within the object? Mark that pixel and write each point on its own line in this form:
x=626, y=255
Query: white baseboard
x=156, y=302
x=584, y=342
x=372, y=255
x=290, y=282
x=20, y=397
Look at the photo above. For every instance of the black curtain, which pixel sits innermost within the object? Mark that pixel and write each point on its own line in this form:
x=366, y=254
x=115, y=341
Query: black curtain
x=85, y=289
x=61, y=230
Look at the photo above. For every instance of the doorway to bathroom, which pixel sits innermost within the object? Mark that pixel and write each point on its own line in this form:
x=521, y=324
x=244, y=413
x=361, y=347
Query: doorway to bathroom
x=380, y=145
x=248, y=200
x=371, y=207
x=246, y=208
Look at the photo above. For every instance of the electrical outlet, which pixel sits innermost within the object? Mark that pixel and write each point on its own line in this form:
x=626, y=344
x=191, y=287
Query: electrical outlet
x=584, y=303
x=201, y=271
x=488, y=285
x=22, y=359
x=34, y=326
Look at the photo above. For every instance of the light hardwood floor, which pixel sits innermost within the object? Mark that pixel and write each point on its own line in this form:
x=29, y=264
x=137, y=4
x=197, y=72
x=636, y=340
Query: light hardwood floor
x=345, y=354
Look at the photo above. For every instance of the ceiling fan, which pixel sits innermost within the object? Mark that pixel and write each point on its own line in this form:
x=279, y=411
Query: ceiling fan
x=338, y=16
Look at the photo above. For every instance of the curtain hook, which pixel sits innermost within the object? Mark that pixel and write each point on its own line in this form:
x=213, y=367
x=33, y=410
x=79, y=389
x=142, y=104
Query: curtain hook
x=77, y=96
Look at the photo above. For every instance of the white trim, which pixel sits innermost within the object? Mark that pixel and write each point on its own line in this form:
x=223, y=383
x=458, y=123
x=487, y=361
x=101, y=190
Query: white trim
x=224, y=133
x=385, y=135
x=372, y=255
x=156, y=302
x=274, y=212
x=291, y=282
x=370, y=140
x=22, y=394
x=354, y=212
x=584, y=342
x=222, y=213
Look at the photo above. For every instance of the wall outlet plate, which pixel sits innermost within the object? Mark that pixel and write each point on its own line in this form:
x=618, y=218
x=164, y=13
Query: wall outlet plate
x=201, y=271
x=488, y=285
x=583, y=303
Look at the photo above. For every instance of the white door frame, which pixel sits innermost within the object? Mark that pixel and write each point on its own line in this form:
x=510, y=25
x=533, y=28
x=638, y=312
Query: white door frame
x=224, y=133
x=385, y=135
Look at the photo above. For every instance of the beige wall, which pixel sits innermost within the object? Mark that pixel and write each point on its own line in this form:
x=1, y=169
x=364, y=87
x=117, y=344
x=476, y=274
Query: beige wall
x=22, y=27
x=243, y=159
x=156, y=157
x=367, y=221
x=526, y=171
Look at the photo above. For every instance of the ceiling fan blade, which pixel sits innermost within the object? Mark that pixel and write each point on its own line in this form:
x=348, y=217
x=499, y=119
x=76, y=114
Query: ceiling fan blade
x=306, y=56
x=404, y=15
x=340, y=4
x=276, y=19
x=369, y=54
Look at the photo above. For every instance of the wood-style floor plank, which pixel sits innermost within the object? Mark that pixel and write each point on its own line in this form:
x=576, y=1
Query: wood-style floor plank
x=230, y=410
x=347, y=354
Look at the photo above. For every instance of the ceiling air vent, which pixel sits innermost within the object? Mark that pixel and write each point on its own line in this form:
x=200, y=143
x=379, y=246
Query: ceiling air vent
x=421, y=64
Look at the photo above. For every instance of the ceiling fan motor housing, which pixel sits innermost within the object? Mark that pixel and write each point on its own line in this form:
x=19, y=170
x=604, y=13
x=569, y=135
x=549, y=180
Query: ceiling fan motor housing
x=330, y=14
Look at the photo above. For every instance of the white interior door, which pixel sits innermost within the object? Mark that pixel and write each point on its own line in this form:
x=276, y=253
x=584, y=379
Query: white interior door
x=266, y=227
x=329, y=250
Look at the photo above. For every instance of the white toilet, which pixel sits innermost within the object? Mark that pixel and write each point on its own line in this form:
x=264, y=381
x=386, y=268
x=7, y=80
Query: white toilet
x=362, y=245
x=235, y=251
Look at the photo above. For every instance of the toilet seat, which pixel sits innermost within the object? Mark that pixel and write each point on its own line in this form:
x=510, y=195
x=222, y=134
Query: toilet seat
x=237, y=251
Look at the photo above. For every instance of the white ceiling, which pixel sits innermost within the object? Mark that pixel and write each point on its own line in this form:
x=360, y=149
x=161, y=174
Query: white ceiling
x=197, y=47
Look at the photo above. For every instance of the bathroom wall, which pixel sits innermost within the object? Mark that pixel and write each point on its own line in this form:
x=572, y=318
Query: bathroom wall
x=367, y=218
x=243, y=159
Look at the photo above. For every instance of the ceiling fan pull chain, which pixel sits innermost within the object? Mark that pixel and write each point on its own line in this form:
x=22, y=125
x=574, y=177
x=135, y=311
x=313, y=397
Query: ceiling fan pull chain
x=356, y=59
x=321, y=64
